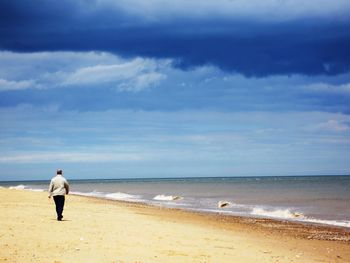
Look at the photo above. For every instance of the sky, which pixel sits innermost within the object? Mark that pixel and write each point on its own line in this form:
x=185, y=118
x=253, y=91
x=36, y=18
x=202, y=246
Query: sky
x=160, y=88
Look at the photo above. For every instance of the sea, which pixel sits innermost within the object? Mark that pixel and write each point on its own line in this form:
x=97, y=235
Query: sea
x=312, y=199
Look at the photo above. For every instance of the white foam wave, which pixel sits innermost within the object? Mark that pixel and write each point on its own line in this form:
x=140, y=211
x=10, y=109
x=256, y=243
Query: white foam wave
x=18, y=187
x=290, y=215
x=92, y=194
x=112, y=196
x=122, y=196
x=24, y=187
x=278, y=213
x=167, y=197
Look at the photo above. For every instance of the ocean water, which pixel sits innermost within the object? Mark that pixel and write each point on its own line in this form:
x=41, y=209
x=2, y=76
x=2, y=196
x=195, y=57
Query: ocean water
x=313, y=199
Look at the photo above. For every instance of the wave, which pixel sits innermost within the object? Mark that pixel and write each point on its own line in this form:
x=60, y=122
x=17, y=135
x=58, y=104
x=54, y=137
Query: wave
x=18, y=187
x=112, y=196
x=90, y=194
x=122, y=196
x=278, y=213
x=167, y=197
x=24, y=187
x=288, y=214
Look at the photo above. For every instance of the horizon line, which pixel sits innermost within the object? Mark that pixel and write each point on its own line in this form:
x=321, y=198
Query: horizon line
x=185, y=177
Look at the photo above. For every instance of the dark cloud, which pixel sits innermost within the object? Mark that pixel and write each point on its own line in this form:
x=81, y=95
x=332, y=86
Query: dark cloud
x=307, y=47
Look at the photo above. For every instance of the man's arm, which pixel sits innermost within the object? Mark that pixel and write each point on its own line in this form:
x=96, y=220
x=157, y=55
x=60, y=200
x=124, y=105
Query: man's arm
x=66, y=185
x=50, y=189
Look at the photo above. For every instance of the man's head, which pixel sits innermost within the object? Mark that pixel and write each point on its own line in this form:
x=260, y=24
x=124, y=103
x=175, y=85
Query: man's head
x=59, y=172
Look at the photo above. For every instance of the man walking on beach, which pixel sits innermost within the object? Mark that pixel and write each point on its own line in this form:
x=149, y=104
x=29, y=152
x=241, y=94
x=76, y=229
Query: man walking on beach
x=58, y=188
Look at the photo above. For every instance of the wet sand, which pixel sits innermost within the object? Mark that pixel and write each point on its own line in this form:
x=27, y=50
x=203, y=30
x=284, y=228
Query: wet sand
x=96, y=230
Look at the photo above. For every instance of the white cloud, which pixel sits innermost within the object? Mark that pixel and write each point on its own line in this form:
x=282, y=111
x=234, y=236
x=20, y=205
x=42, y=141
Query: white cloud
x=141, y=82
x=134, y=75
x=69, y=157
x=15, y=85
x=328, y=88
x=158, y=141
x=333, y=125
x=264, y=10
x=47, y=70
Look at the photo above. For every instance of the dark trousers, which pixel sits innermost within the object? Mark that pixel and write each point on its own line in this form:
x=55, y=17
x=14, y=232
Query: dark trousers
x=59, y=201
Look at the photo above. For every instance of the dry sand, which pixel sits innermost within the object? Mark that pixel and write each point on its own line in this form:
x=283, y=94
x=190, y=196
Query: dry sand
x=96, y=230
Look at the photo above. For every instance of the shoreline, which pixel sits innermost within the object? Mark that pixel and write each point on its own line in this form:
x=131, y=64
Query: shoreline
x=301, y=229
x=101, y=230
x=242, y=218
x=262, y=220
x=308, y=221
x=316, y=209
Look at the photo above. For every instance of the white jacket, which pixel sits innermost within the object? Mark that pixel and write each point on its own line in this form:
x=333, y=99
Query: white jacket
x=58, y=186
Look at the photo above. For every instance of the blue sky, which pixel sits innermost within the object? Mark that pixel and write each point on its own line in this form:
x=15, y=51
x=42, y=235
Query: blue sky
x=108, y=89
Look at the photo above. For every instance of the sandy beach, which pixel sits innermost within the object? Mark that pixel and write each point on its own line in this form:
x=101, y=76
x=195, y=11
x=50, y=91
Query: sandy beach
x=96, y=230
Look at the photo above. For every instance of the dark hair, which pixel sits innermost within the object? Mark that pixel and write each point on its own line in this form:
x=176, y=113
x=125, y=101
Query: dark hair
x=59, y=171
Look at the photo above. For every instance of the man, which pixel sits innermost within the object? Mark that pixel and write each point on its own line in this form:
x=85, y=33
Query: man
x=58, y=188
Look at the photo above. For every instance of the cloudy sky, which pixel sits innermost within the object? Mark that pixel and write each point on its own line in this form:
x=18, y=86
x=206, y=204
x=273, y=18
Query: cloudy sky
x=160, y=88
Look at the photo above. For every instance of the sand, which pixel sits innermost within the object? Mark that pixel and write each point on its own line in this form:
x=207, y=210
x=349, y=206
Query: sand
x=97, y=230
